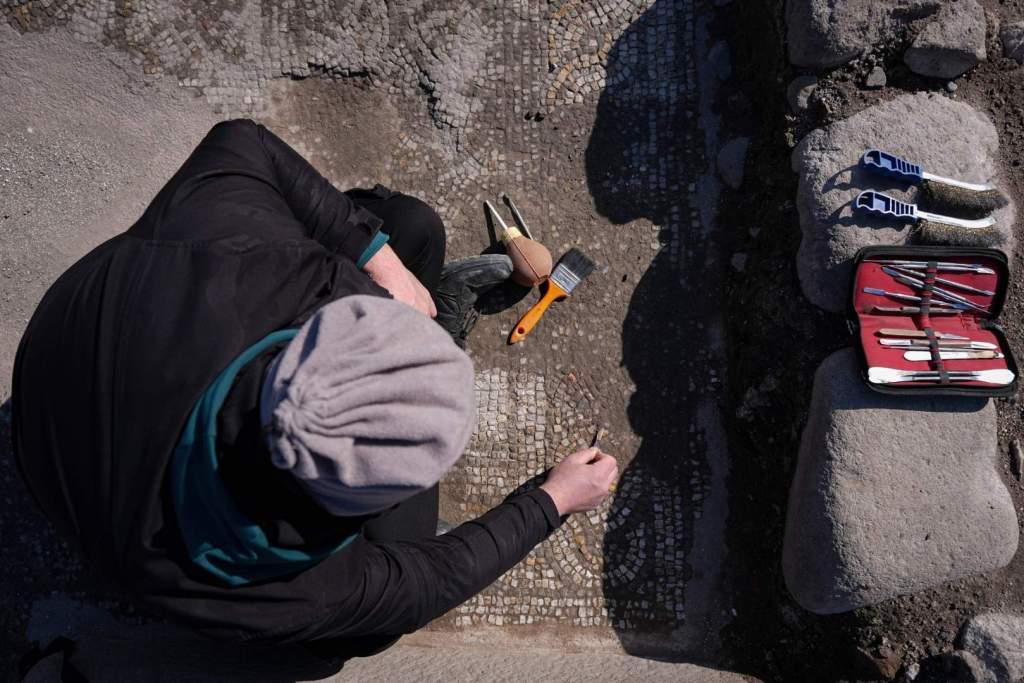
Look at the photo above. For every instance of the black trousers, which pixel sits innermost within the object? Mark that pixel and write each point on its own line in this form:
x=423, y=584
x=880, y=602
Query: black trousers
x=415, y=231
x=416, y=234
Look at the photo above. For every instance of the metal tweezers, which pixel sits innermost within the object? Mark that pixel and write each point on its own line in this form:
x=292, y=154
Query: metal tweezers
x=492, y=216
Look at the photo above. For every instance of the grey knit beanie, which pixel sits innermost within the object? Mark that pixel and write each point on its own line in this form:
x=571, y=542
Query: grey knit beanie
x=369, y=404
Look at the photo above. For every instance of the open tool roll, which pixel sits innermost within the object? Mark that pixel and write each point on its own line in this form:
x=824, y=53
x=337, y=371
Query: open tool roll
x=926, y=320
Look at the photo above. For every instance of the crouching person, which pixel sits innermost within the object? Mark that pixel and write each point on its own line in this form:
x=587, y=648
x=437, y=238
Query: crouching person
x=238, y=410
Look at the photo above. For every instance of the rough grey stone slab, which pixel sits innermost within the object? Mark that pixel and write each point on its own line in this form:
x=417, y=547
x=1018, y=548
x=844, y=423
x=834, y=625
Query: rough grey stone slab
x=952, y=43
x=826, y=33
x=1012, y=37
x=731, y=160
x=402, y=664
x=892, y=495
x=997, y=640
x=947, y=137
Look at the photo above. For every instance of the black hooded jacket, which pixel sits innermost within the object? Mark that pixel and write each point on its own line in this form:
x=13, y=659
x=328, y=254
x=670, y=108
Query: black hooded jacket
x=245, y=239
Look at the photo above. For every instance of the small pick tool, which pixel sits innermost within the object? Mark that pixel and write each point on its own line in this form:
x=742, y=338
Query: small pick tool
x=931, y=228
x=571, y=270
x=972, y=200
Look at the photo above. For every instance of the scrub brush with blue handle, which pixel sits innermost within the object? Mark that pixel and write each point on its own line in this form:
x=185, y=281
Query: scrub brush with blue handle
x=970, y=200
x=932, y=228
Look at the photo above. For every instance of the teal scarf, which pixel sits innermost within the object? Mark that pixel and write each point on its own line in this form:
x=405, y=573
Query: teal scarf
x=219, y=538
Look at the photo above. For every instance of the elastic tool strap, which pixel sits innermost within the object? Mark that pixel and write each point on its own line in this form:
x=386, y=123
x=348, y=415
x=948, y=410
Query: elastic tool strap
x=933, y=341
x=933, y=348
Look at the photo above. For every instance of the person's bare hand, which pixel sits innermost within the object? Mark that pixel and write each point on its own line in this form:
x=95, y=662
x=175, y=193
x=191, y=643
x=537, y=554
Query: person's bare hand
x=582, y=481
x=387, y=270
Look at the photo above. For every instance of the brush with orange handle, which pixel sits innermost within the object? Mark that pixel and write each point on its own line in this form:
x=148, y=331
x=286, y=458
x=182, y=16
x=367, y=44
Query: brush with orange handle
x=572, y=268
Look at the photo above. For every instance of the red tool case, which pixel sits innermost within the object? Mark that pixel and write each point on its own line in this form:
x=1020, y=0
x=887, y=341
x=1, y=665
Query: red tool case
x=978, y=325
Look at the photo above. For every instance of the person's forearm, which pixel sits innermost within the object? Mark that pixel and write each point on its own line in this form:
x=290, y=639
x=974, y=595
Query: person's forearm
x=472, y=556
x=407, y=584
x=388, y=271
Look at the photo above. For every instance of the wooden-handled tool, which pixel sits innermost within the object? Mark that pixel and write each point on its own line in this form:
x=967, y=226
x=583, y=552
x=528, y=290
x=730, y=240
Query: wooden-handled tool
x=572, y=268
x=917, y=334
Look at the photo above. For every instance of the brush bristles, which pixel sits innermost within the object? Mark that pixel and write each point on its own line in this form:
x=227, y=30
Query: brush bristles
x=929, y=232
x=959, y=201
x=571, y=269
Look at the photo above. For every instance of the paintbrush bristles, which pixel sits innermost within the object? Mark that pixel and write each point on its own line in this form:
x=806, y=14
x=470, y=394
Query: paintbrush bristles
x=571, y=269
x=959, y=201
x=578, y=262
x=929, y=232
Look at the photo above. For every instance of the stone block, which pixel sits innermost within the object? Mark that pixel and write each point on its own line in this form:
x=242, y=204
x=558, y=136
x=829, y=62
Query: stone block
x=997, y=640
x=952, y=43
x=799, y=91
x=892, y=494
x=1012, y=37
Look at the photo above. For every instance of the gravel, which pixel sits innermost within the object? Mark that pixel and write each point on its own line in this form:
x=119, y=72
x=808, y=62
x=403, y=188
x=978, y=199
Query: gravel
x=85, y=142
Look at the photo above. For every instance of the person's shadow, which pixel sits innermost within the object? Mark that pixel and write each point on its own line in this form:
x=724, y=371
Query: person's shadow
x=644, y=152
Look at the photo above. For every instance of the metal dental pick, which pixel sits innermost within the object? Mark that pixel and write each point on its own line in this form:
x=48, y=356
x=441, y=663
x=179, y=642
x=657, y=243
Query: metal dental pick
x=944, y=281
x=939, y=291
x=942, y=266
x=911, y=297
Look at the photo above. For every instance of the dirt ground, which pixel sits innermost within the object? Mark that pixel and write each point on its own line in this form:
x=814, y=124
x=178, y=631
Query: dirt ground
x=772, y=375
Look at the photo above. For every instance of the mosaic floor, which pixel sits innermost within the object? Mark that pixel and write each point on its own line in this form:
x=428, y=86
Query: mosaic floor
x=594, y=117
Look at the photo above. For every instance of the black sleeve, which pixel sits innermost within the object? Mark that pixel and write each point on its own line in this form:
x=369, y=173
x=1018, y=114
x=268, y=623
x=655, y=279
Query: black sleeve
x=403, y=586
x=241, y=170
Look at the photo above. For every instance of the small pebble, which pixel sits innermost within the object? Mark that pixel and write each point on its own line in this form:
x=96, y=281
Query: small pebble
x=876, y=79
x=1016, y=458
x=951, y=86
